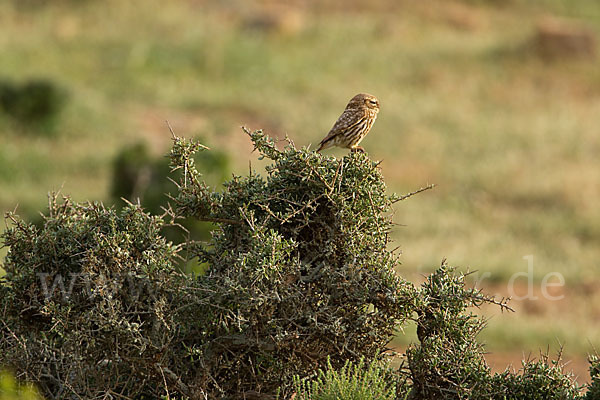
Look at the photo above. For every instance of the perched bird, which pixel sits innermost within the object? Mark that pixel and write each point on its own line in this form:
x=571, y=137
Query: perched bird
x=354, y=123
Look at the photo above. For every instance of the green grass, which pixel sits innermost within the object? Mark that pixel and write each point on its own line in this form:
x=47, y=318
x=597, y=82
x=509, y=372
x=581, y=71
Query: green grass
x=10, y=389
x=360, y=381
x=510, y=139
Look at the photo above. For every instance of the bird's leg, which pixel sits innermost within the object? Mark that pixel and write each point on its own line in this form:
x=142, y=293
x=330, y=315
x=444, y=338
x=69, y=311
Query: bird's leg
x=357, y=148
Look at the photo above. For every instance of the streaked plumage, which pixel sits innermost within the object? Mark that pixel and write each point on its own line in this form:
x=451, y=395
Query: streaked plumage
x=354, y=123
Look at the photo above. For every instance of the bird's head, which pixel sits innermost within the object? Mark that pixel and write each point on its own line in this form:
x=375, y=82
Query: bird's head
x=364, y=100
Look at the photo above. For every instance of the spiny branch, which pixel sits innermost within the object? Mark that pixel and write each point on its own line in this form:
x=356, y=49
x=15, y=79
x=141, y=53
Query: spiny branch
x=406, y=196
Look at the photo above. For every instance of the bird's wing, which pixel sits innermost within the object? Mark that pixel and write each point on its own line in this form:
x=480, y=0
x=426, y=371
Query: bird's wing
x=347, y=120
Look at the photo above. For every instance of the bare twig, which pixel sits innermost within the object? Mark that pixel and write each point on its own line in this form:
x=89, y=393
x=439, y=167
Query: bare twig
x=171, y=130
x=406, y=196
x=220, y=220
x=164, y=381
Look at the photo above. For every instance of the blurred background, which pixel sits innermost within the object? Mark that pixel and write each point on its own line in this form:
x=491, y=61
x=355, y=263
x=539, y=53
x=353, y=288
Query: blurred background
x=496, y=102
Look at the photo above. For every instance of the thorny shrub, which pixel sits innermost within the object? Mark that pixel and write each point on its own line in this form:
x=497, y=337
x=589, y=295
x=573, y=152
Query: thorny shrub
x=299, y=278
x=89, y=301
x=299, y=268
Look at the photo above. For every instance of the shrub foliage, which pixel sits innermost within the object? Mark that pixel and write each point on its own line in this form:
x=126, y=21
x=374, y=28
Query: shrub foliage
x=299, y=279
x=140, y=177
x=35, y=103
x=594, y=387
x=88, y=303
x=298, y=272
x=299, y=269
x=536, y=379
x=448, y=362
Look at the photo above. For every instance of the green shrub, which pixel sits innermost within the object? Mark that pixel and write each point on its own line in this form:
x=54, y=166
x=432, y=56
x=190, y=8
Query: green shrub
x=593, y=392
x=448, y=362
x=298, y=273
x=88, y=302
x=299, y=268
x=375, y=381
x=138, y=176
x=36, y=103
x=542, y=379
x=299, y=279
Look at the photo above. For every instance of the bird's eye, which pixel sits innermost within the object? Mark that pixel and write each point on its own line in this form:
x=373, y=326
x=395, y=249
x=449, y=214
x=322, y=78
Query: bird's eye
x=373, y=102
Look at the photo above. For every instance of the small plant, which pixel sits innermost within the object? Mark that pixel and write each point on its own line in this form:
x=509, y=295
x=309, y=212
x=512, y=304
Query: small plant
x=11, y=390
x=354, y=381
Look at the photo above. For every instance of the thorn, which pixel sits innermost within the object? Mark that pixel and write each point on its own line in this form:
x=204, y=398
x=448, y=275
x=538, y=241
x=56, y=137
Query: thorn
x=171, y=130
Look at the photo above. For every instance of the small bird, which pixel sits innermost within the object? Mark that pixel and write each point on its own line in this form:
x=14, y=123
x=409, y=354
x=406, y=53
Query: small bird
x=354, y=123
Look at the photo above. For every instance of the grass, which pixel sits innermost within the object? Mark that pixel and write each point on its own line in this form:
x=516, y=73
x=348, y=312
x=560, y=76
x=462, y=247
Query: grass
x=510, y=139
x=359, y=381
